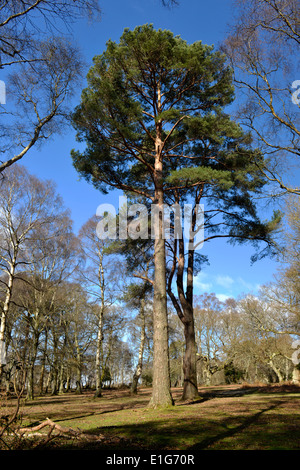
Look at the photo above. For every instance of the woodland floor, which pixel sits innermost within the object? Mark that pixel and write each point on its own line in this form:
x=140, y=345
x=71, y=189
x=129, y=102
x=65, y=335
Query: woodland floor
x=223, y=418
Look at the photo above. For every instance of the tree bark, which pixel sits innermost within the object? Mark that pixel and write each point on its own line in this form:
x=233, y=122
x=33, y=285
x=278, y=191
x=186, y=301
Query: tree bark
x=184, y=308
x=30, y=390
x=139, y=367
x=54, y=389
x=43, y=365
x=190, y=388
x=296, y=376
x=276, y=370
x=61, y=388
x=7, y=300
x=99, y=344
x=99, y=354
x=161, y=388
x=78, y=365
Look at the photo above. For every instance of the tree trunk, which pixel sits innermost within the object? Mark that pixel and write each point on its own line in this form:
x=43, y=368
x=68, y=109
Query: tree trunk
x=296, y=376
x=139, y=367
x=99, y=351
x=49, y=380
x=78, y=390
x=43, y=365
x=68, y=380
x=61, y=389
x=41, y=380
x=54, y=380
x=6, y=304
x=276, y=370
x=30, y=390
x=161, y=388
x=184, y=304
x=78, y=365
x=190, y=388
x=99, y=356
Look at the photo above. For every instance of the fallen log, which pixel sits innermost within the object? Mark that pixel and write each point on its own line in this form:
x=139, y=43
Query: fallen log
x=52, y=425
x=68, y=432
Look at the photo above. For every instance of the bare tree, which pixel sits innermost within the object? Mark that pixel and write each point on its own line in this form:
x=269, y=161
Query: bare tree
x=24, y=23
x=37, y=106
x=43, y=66
x=27, y=206
x=100, y=276
x=263, y=46
x=137, y=298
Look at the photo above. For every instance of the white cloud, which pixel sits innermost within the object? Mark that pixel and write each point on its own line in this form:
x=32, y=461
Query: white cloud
x=231, y=287
x=223, y=297
x=225, y=281
x=201, y=283
x=248, y=285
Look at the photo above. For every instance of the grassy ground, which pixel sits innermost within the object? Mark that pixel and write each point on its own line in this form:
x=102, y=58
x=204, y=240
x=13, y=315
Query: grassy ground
x=223, y=418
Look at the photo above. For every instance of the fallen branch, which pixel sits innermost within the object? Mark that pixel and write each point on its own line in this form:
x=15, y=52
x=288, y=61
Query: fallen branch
x=60, y=431
x=53, y=426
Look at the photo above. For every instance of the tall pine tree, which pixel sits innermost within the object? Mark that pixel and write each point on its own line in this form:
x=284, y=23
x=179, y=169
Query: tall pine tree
x=153, y=123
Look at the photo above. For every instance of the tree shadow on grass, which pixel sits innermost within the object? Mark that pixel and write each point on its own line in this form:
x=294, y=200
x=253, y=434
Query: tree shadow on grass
x=193, y=429
x=175, y=434
x=106, y=409
x=205, y=443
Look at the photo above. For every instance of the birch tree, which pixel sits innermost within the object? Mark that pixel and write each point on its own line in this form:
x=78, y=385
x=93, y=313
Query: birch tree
x=28, y=206
x=262, y=46
x=100, y=275
x=24, y=23
x=36, y=106
x=41, y=69
x=137, y=298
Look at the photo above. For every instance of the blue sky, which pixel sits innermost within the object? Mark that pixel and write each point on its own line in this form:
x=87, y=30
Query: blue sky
x=230, y=272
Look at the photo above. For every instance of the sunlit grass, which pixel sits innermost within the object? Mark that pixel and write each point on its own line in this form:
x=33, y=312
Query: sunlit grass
x=254, y=421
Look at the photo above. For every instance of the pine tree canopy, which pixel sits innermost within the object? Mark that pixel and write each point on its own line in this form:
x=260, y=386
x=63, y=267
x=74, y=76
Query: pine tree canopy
x=154, y=84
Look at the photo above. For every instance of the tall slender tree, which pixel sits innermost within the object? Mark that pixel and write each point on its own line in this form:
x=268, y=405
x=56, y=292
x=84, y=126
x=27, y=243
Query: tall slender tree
x=97, y=269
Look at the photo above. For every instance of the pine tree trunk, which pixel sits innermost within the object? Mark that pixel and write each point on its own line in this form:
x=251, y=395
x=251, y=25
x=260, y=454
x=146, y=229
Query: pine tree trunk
x=184, y=304
x=190, y=389
x=161, y=389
